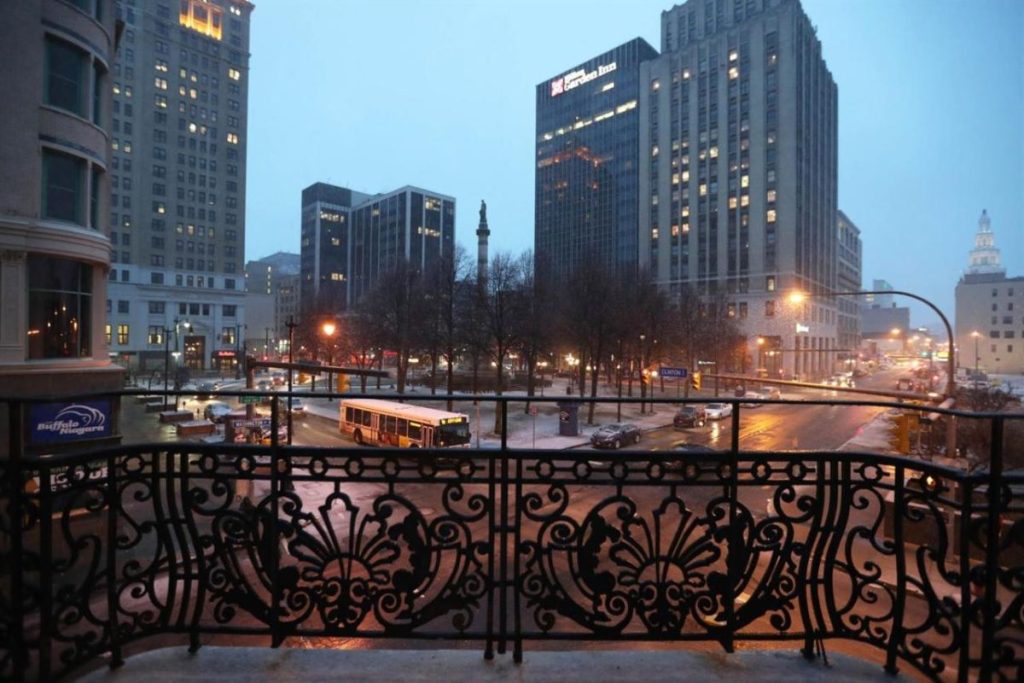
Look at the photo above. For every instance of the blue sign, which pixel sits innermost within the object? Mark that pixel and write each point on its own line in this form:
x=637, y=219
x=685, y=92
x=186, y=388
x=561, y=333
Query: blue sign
x=672, y=372
x=64, y=422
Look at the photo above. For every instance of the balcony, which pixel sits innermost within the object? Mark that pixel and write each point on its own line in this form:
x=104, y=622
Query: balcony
x=113, y=551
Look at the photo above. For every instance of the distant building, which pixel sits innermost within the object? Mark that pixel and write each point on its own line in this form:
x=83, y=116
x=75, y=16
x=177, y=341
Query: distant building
x=848, y=279
x=738, y=171
x=349, y=239
x=989, y=310
x=276, y=275
x=587, y=163
x=56, y=79
x=178, y=181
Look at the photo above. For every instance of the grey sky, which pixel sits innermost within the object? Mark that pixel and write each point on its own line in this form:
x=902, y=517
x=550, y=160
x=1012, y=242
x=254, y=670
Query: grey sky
x=376, y=95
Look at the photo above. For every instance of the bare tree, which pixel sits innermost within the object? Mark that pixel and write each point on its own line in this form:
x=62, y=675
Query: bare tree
x=535, y=322
x=444, y=282
x=588, y=314
x=396, y=300
x=501, y=306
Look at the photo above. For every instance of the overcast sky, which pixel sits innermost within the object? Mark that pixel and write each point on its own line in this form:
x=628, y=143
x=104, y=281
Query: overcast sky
x=376, y=95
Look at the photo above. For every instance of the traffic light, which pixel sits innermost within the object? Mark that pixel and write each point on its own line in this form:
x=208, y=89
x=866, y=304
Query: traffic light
x=695, y=381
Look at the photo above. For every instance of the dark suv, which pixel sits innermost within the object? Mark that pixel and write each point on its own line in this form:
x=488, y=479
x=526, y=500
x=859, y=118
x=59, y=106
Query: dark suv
x=615, y=436
x=690, y=416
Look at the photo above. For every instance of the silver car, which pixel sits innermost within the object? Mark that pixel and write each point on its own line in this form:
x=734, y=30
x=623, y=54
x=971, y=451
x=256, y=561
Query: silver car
x=718, y=411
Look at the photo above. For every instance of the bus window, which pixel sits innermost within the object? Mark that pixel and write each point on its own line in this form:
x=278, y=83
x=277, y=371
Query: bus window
x=348, y=414
x=366, y=417
x=403, y=427
x=415, y=431
x=390, y=424
x=455, y=434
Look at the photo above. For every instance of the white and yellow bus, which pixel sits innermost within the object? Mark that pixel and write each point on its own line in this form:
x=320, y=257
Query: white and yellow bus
x=389, y=423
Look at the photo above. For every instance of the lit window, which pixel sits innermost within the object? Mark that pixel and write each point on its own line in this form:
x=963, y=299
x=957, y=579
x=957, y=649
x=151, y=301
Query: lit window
x=607, y=86
x=686, y=176
x=654, y=233
x=233, y=138
x=160, y=102
x=192, y=128
x=122, y=334
x=655, y=85
x=771, y=216
x=654, y=200
x=745, y=200
x=654, y=151
x=703, y=189
x=733, y=55
x=675, y=231
x=713, y=152
x=161, y=66
x=160, y=83
x=686, y=74
x=771, y=195
x=732, y=202
x=686, y=228
x=734, y=72
x=234, y=74
x=745, y=181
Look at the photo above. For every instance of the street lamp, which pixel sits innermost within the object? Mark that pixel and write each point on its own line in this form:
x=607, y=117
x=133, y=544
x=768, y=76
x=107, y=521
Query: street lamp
x=977, y=357
x=797, y=297
x=328, y=329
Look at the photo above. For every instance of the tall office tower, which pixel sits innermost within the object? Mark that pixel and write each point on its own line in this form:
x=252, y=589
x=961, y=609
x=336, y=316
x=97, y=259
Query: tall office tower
x=54, y=168
x=738, y=164
x=587, y=160
x=848, y=279
x=181, y=83
x=349, y=239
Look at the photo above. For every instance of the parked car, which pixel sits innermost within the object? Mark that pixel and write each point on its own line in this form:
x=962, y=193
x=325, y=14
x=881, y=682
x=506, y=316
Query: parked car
x=278, y=378
x=695, y=449
x=690, y=416
x=263, y=385
x=216, y=411
x=718, y=411
x=204, y=390
x=615, y=435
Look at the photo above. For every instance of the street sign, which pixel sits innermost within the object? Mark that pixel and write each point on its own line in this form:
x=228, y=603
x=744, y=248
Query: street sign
x=672, y=372
x=249, y=399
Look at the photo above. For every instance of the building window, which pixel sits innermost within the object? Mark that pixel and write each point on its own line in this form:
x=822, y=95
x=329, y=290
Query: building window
x=769, y=309
x=122, y=306
x=156, y=307
x=60, y=308
x=156, y=335
x=229, y=310
x=63, y=179
x=67, y=70
x=122, y=334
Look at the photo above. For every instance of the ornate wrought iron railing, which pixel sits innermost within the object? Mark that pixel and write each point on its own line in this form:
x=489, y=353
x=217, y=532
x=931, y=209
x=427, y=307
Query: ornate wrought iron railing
x=922, y=562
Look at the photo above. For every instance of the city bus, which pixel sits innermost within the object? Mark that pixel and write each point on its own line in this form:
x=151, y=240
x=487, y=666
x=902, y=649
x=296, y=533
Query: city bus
x=378, y=422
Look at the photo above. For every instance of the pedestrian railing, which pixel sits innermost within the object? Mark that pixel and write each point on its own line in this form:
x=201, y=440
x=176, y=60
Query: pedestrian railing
x=101, y=551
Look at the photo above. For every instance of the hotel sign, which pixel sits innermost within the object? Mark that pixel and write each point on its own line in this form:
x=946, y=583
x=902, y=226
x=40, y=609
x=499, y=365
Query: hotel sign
x=576, y=78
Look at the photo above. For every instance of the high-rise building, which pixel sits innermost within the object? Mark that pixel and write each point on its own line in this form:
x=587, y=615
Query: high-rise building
x=989, y=310
x=56, y=77
x=349, y=239
x=738, y=168
x=848, y=279
x=177, y=210
x=276, y=276
x=586, y=163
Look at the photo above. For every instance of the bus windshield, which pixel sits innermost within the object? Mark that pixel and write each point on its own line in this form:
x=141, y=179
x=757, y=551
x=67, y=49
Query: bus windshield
x=453, y=434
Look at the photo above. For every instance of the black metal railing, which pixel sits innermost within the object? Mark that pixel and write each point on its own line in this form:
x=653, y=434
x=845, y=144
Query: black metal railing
x=100, y=550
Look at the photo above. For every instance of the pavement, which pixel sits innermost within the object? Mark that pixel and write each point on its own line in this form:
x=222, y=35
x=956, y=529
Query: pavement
x=248, y=664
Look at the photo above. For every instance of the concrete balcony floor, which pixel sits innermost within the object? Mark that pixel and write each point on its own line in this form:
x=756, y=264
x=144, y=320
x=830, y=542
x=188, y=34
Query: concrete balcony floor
x=248, y=665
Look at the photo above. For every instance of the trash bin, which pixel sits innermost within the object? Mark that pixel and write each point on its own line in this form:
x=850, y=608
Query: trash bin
x=568, y=418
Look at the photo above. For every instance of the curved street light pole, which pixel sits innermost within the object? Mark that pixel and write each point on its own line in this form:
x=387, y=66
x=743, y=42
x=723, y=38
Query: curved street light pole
x=950, y=365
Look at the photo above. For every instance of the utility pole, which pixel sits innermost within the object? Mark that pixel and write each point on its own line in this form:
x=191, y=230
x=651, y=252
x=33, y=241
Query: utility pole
x=291, y=338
